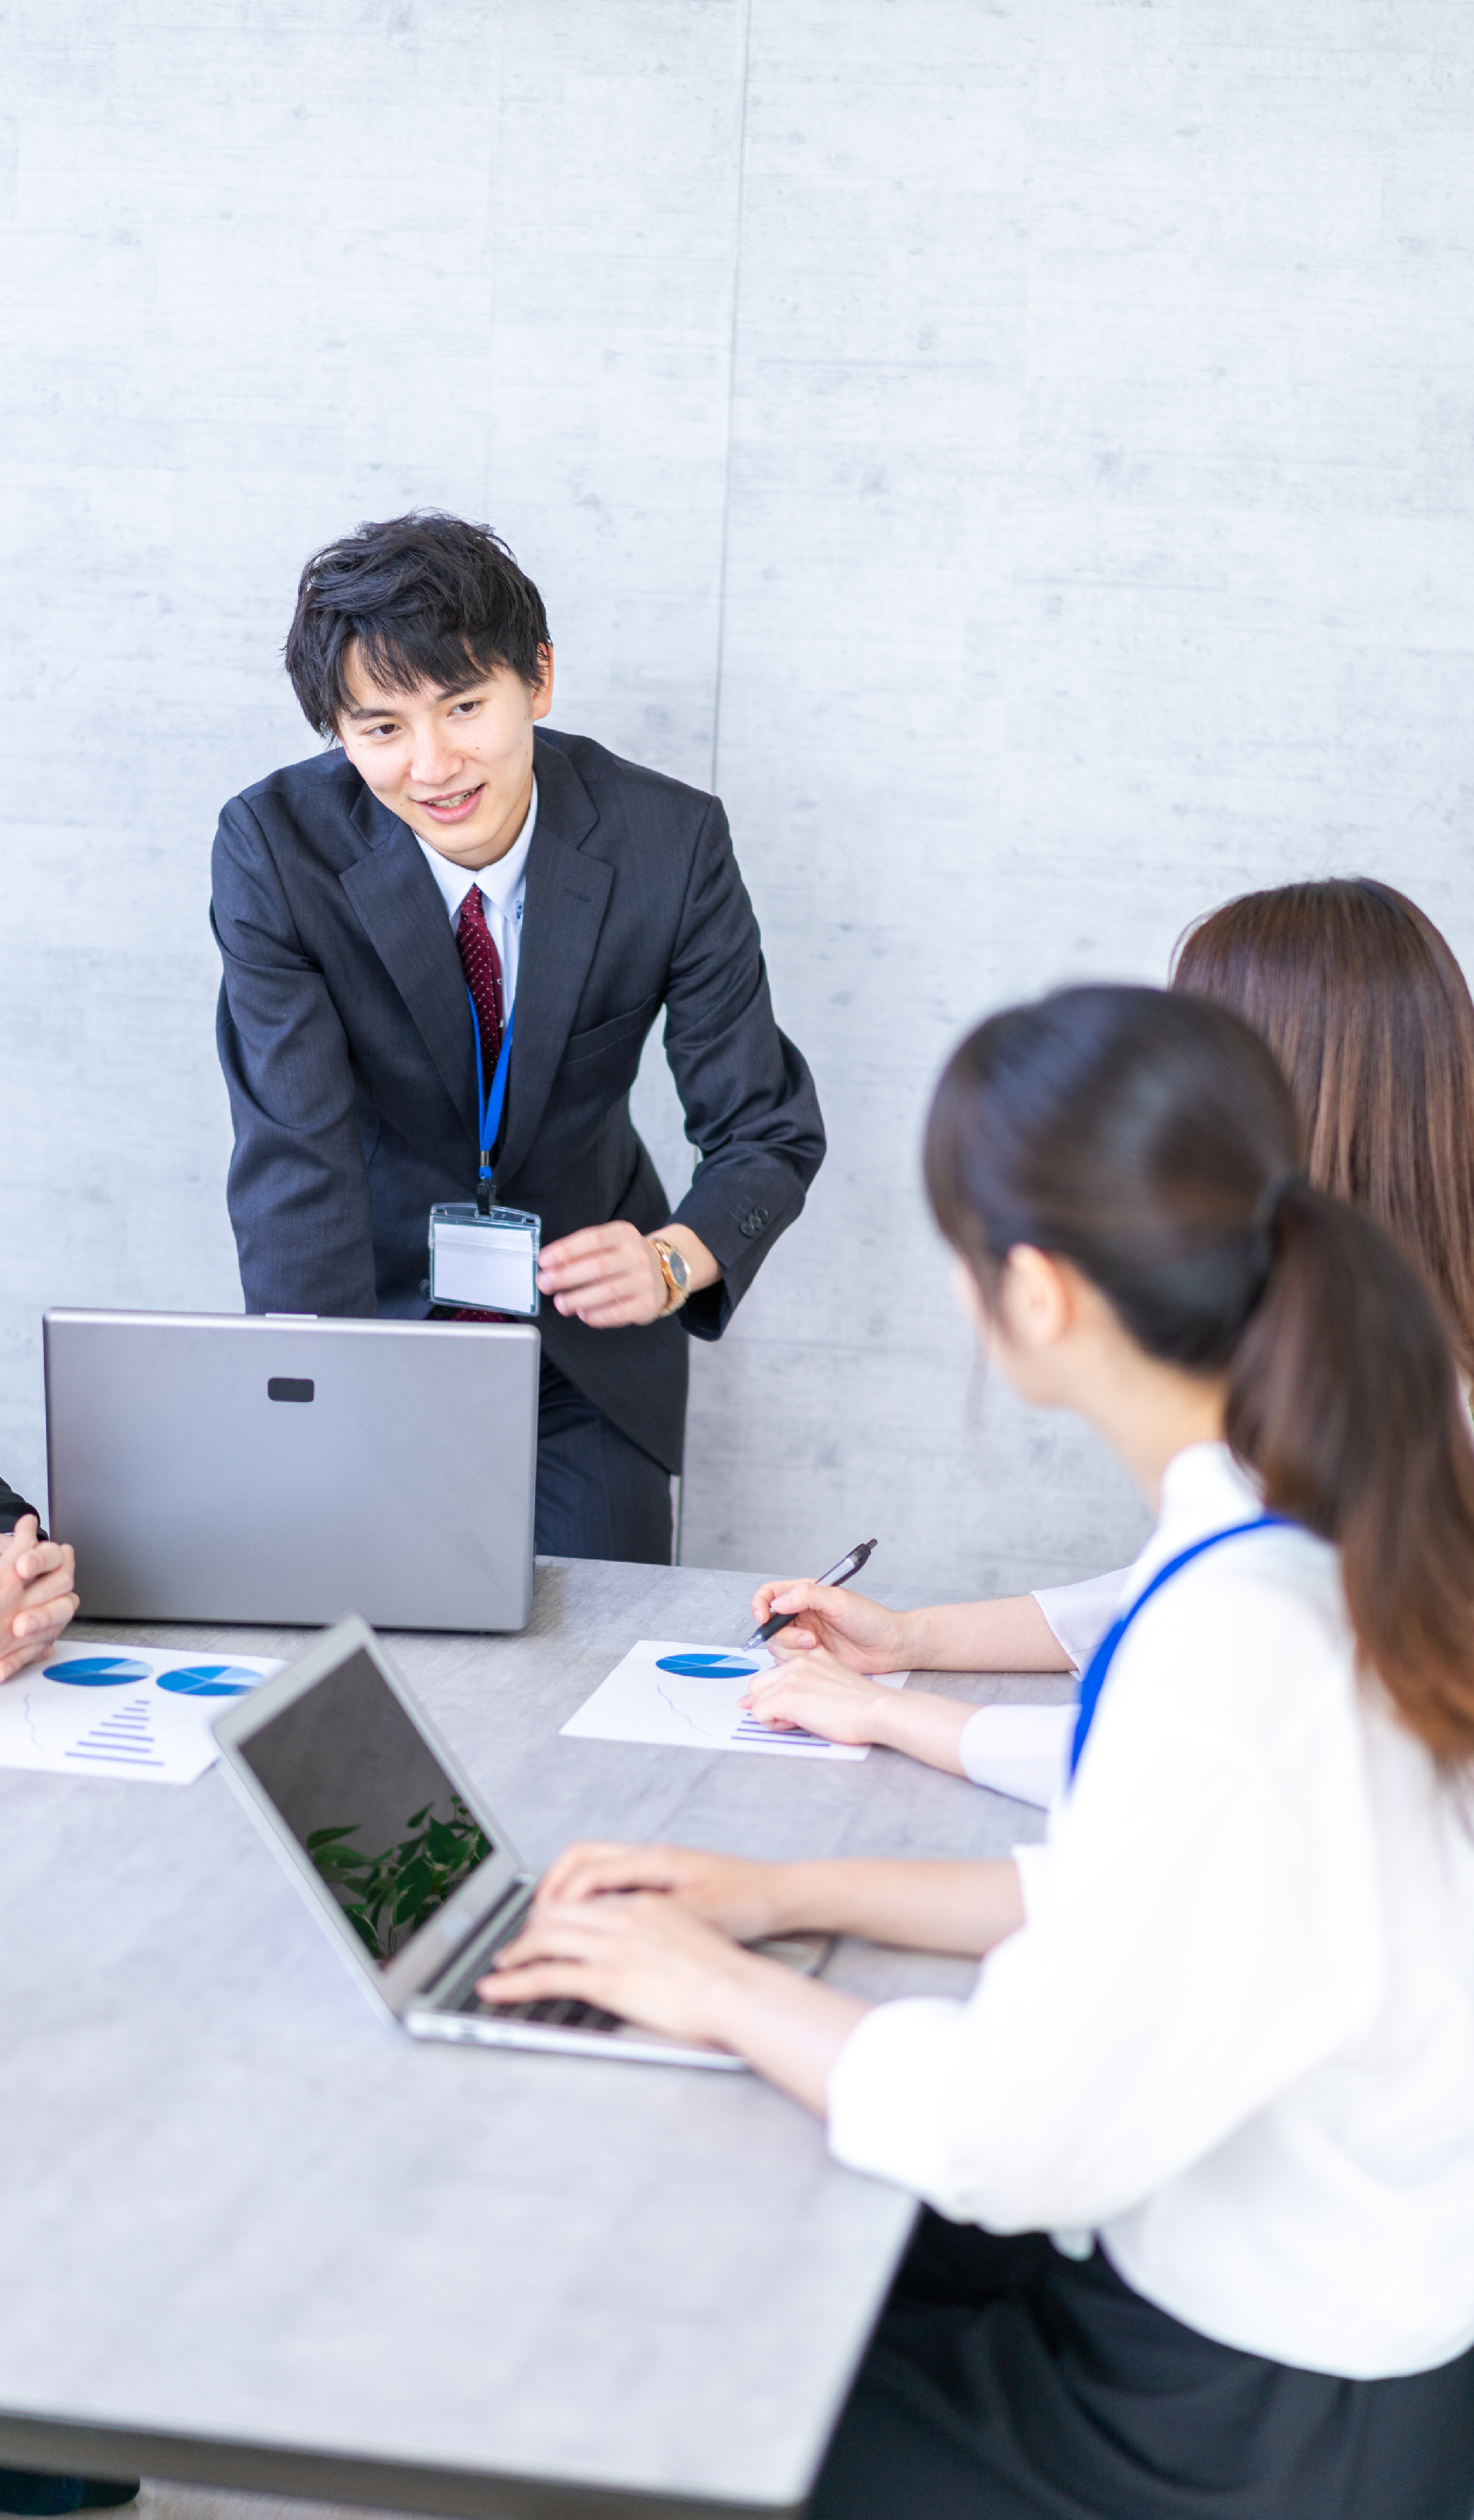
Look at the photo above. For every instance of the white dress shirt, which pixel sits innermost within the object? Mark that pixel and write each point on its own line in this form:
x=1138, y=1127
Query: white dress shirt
x=1235, y=2038
x=502, y=891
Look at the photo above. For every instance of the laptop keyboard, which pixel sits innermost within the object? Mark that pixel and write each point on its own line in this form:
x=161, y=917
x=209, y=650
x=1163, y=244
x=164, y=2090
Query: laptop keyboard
x=566, y=2011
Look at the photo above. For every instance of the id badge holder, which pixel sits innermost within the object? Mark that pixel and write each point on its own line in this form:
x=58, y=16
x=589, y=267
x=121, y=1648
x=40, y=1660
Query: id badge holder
x=487, y=1262
x=481, y=1255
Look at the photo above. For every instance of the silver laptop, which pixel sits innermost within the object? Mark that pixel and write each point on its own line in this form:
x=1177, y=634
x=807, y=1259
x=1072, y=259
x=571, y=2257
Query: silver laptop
x=400, y=1859
x=283, y=1470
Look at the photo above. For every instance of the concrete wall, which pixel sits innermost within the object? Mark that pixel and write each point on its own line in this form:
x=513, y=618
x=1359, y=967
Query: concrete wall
x=1023, y=457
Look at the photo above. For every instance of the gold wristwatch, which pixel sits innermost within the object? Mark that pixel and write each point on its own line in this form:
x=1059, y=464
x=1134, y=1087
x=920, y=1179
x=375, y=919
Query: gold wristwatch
x=675, y=1268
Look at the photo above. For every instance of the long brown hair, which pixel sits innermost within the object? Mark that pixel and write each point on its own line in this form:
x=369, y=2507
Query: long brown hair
x=1151, y=1139
x=1370, y=1015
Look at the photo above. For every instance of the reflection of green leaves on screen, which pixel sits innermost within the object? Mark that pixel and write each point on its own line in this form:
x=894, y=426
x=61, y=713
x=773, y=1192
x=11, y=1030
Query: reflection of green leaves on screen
x=387, y=1897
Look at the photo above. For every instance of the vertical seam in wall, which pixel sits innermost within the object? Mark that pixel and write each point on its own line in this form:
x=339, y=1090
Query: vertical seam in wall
x=736, y=280
x=489, y=502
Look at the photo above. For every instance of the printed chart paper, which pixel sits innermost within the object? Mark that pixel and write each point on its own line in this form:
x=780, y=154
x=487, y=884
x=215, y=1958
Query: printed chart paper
x=688, y=1697
x=123, y=1710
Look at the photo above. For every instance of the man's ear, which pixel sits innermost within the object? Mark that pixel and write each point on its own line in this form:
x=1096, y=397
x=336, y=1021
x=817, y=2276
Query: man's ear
x=541, y=698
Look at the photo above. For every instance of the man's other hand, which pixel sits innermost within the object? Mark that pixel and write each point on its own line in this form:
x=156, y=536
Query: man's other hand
x=610, y=1277
x=37, y=1598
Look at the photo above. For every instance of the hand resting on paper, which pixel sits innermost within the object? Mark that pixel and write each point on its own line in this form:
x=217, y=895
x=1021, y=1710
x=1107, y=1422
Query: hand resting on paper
x=821, y=1681
x=36, y=1595
x=817, y=1692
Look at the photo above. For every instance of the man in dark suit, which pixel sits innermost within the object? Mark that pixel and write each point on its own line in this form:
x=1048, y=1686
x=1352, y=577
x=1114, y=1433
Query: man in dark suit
x=453, y=845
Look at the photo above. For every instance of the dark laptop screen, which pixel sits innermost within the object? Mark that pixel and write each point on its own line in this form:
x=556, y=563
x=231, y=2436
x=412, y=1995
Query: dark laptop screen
x=367, y=1800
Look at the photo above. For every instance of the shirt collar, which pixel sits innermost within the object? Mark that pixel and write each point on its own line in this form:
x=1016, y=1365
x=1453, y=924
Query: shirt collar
x=500, y=883
x=1203, y=1489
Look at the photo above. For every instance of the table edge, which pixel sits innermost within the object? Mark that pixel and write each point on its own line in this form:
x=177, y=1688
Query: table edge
x=61, y=2446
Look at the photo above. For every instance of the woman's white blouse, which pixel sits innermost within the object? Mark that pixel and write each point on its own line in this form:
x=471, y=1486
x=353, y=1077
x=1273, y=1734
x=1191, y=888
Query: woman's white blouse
x=1235, y=2038
x=1021, y=1751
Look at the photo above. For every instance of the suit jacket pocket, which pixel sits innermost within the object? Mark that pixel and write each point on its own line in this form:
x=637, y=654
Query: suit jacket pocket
x=603, y=1038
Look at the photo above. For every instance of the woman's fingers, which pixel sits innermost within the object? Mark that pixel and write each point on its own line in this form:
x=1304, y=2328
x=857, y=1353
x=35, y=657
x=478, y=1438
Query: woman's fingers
x=645, y=1958
x=792, y=1640
x=816, y=1695
x=587, y=1870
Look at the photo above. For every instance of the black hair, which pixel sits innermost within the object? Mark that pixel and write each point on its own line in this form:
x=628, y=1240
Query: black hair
x=1151, y=1140
x=429, y=600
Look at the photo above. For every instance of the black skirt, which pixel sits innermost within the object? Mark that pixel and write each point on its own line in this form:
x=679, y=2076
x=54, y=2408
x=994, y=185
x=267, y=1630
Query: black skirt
x=1007, y=2382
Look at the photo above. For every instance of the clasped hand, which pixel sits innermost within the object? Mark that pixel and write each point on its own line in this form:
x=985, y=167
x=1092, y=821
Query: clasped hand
x=36, y=1596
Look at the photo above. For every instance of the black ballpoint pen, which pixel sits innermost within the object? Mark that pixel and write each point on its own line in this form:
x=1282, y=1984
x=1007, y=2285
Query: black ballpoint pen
x=840, y=1574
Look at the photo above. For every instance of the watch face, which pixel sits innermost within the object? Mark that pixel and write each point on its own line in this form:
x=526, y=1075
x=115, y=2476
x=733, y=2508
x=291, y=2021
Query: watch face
x=678, y=1268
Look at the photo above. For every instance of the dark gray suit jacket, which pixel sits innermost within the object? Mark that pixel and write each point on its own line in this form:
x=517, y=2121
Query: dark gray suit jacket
x=345, y=1037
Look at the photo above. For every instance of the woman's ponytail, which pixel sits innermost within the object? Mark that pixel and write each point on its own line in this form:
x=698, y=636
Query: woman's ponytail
x=1152, y=1141
x=1344, y=1401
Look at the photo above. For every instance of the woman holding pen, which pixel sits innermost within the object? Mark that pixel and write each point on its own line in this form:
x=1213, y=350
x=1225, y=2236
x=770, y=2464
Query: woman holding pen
x=1202, y=2134
x=1366, y=1010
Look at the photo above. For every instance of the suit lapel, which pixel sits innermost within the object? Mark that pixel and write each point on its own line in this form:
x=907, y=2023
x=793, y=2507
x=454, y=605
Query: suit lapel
x=394, y=897
x=564, y=911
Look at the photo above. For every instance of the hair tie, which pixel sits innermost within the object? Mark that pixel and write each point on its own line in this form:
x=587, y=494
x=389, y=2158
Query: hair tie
x=1273, y=1197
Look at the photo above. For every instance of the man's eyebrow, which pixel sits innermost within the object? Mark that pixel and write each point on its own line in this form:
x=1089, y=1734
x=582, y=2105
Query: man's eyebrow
x=387, y=708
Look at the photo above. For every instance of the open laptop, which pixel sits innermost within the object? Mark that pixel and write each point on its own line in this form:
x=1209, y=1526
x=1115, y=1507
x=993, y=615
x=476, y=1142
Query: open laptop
x=283, y=1470
x=400, y=1859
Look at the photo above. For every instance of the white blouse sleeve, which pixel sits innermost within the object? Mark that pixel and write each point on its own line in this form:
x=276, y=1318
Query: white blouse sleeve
x=1079, y=1614
x=1203, y=1932
x=1018, y=1750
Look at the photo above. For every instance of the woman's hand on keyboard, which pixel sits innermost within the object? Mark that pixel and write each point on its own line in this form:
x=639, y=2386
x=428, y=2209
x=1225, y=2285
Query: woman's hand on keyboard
x=643, y=1956
x=739, y=1897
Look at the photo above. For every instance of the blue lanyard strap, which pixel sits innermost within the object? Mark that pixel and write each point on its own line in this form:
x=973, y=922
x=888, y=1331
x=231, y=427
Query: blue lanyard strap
x=489, y=1106
x=1097, y=1670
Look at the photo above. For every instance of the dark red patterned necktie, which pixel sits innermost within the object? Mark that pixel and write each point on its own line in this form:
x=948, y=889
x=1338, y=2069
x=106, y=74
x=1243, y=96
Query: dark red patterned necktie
x=482, y=966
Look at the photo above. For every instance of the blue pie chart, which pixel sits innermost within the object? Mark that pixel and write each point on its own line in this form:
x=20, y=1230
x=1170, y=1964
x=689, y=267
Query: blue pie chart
x=98, y=1671
x=708, y=1666
x=209, y=1680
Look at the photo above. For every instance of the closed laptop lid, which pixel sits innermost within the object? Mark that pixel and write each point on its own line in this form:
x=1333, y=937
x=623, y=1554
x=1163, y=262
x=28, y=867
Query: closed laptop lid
x=286, y=1470
x=374, y=1818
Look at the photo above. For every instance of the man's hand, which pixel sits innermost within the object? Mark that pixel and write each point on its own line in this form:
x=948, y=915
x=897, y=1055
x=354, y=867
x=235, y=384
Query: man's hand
x=610, y=1277
x=36, y=1596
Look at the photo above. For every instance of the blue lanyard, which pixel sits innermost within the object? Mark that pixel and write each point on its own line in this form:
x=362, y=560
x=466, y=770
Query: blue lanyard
x=489, y=1106
x=1097, y=1670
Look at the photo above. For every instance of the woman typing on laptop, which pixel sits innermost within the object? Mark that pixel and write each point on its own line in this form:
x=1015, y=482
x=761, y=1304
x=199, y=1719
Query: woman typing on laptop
x=1364, y=1007
x=1201, y=2135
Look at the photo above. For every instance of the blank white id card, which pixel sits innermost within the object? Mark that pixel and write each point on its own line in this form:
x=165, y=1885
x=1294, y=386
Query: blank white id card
x=488, y=1262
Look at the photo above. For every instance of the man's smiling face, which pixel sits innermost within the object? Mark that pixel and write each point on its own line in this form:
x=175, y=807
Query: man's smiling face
x=456, y=766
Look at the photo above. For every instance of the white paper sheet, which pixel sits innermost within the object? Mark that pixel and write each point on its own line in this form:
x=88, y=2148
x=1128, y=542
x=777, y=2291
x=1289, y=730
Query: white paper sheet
x=644, y=1699
x=123, y=1710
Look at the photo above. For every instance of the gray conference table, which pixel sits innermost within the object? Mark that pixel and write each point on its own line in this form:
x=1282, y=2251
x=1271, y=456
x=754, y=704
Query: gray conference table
x=253, y=2236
